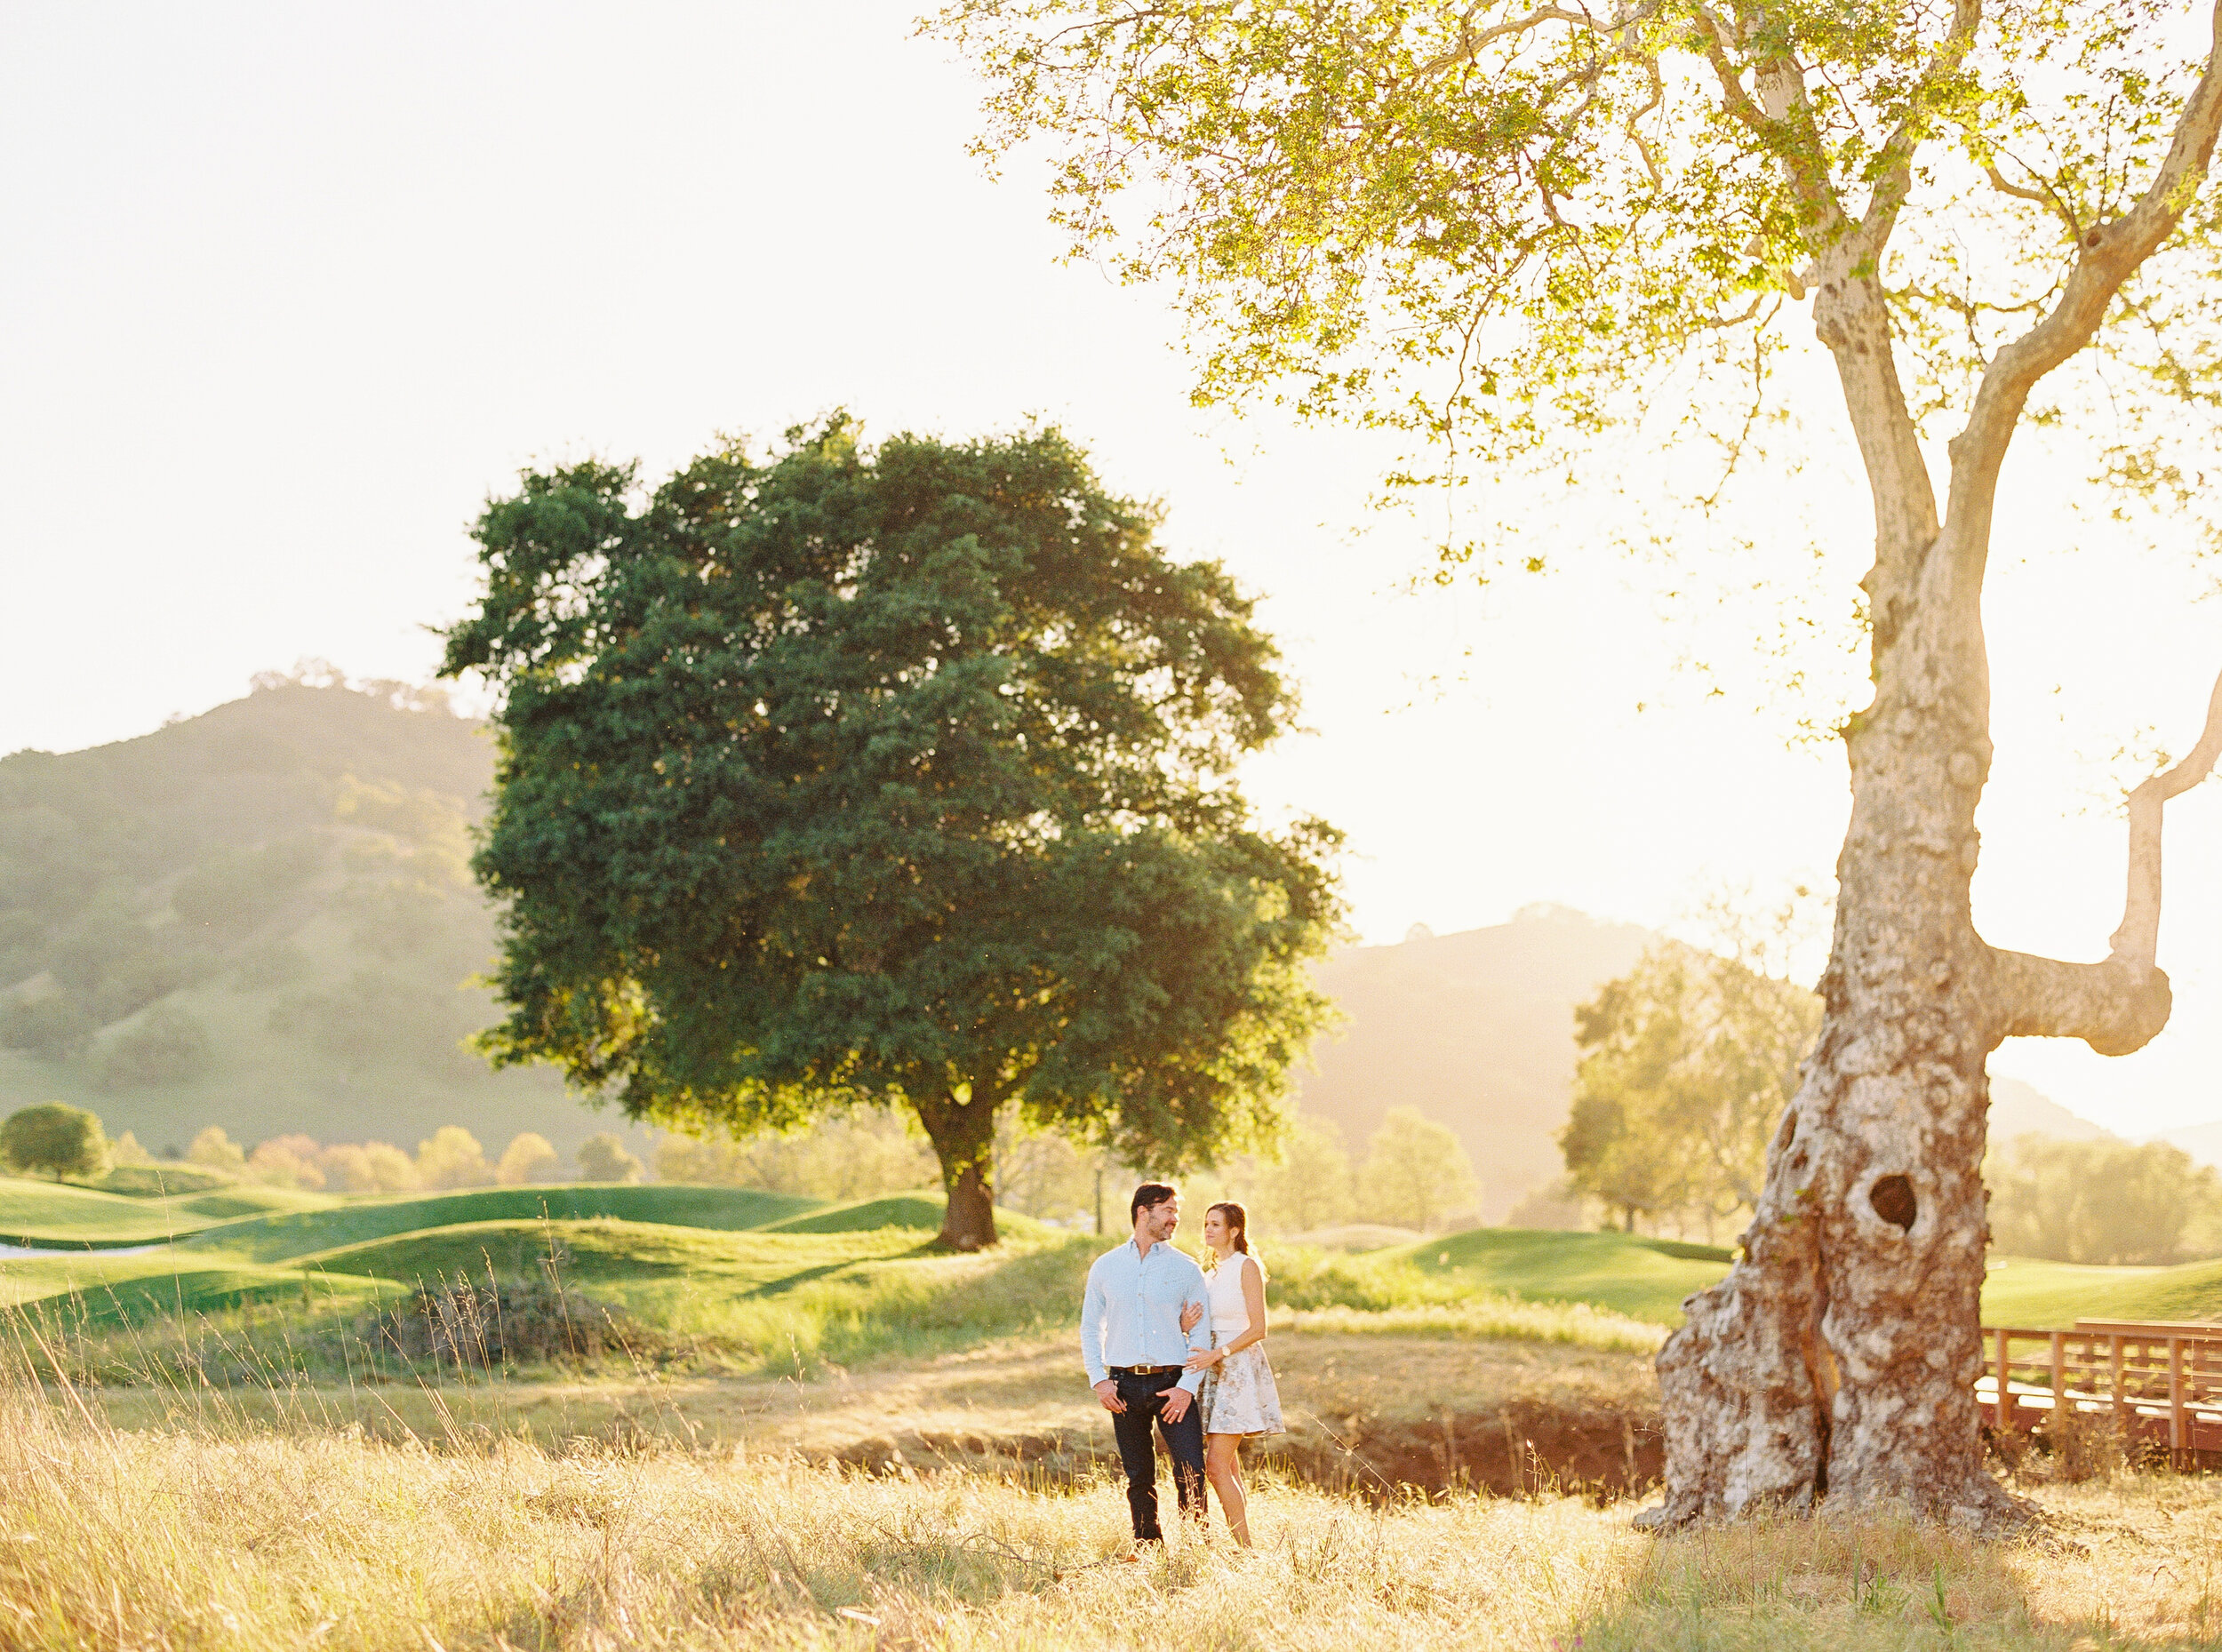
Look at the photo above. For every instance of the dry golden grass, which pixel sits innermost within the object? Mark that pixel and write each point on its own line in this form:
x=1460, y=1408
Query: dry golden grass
x=221, y=1535
x=1021, y=1401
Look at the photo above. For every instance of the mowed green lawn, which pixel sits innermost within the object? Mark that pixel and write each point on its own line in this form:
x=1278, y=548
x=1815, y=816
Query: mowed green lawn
x=41, y=1214
x=763, y=1277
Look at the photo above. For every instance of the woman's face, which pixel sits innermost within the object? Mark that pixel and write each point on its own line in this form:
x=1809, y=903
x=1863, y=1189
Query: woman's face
x=1215, y=1229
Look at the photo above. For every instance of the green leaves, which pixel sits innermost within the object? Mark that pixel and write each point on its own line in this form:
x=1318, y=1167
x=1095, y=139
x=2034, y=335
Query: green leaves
x=1494, y=227
x=849, y=775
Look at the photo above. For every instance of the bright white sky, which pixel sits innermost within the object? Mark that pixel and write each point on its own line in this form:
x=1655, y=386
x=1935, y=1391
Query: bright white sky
x=289, y=290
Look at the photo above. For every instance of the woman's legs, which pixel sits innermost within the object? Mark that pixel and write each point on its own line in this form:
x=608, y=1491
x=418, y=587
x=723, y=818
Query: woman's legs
x=1223, y=1467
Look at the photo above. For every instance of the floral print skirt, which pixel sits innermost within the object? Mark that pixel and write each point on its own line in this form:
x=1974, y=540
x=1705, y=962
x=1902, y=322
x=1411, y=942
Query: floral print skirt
x=1239, y=1396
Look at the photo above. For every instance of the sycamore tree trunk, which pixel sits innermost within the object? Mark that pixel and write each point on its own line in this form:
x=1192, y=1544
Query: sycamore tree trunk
x=962, y=1131
x=1838, y=1359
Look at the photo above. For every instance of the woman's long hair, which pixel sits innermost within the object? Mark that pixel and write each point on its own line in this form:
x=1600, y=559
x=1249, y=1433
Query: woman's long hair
x=1238, y=1220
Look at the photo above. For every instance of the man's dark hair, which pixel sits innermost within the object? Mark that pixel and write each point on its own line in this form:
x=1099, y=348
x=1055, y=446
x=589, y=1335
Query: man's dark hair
x=1149, y=1196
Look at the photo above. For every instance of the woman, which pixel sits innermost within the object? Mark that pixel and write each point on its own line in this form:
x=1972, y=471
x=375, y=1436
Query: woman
x=1239, y=1397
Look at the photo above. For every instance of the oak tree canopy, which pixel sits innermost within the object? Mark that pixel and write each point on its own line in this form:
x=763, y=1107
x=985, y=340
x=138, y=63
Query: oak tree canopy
x=896, y=775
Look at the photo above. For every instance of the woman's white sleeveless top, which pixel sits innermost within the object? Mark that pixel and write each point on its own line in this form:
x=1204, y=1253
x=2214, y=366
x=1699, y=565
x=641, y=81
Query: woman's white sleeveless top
x=1230, y=1315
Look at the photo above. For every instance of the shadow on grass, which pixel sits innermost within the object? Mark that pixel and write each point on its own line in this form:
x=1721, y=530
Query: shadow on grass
x=1885, y=1581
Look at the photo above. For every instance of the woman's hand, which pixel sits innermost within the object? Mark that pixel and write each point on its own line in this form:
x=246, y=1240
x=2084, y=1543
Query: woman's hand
x=1205, y=1359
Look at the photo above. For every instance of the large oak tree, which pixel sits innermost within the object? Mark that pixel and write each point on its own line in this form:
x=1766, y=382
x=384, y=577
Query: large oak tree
x=896, y=777
x=1494, y=224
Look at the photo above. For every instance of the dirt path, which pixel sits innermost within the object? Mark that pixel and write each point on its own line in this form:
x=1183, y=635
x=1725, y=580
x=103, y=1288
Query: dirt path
x=1368, y=1412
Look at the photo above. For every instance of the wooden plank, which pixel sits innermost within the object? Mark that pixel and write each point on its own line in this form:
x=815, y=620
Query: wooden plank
x=2176, y=1401
x=2059, y=1383
x=2155, y=1328
x=2005, y=1403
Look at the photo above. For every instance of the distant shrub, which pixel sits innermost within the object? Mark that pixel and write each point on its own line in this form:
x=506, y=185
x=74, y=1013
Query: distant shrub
x=603, y=1158
x=213, y=1148
x=530, y=1157
x=287, y=1162
x=56, y=1140
x=485, y=1328
x=857, y=1155
x=368, y=1167
x=169, y=1046
x=453, y=1157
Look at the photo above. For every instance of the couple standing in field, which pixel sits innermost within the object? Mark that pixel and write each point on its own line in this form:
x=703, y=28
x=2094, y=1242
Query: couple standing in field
x=1173, y=1350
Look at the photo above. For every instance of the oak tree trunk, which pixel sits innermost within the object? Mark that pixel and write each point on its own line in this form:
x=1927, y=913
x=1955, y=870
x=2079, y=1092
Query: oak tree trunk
x=962, y=1131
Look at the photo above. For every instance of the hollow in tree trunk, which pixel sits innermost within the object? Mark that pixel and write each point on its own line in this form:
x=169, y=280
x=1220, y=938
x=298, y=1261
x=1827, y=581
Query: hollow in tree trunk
x=962, y=1131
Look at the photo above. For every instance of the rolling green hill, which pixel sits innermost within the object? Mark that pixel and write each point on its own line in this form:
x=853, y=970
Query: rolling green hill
x=262, y=919
x=750, y=1280
x=281, y=1237
x=50, y=1213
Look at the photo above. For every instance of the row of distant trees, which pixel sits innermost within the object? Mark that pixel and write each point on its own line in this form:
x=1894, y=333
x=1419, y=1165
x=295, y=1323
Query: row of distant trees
x=71, y=1144
x=1414, y=1173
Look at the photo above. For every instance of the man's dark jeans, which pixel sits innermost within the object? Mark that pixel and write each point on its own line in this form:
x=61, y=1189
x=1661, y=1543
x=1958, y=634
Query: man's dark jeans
x=1144, y=1400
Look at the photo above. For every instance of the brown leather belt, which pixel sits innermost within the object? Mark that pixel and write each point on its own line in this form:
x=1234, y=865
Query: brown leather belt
x=1142, y=1370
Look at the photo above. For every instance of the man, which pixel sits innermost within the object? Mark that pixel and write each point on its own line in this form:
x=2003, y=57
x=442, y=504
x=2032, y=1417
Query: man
x=1143, y=1303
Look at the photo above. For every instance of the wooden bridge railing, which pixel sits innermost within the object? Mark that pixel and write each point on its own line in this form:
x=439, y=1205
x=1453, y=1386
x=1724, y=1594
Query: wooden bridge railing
x=2162, y=1380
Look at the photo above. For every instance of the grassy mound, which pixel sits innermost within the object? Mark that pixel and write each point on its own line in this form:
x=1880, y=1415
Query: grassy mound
x=1645, y=1279
x=57, y=1214
x=161, y=1181
x=279, y=1237
x=919, y=1212
x=598, y=1251
x=2052, y=1295
x=129, y=1301
x=1358, y=1236
x=224, y=1204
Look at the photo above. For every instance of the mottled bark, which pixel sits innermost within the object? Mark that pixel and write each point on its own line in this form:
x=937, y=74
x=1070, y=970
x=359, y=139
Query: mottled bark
x=1837, y=1360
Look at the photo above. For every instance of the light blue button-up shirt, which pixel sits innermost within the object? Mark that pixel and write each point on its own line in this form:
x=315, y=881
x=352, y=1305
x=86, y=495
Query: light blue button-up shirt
x=1130, y=1314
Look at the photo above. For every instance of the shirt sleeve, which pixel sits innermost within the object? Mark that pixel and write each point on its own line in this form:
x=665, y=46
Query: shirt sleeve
x=1201, y=1336
x=1091, y=1306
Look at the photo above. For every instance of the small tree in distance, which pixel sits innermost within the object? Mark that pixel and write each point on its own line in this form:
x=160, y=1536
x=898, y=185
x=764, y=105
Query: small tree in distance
x=603, y=1157
x=53, y=1139
x=1416, y=1172
x=1688, y=1061
x=453, y=1157
x=900, y=778
x=1311, y=1188
x=530, y=1157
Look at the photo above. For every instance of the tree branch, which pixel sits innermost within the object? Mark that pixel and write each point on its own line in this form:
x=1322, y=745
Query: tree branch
x=2115, y=1007
x=2121, y=1005
x=1472, y=40
x=1894, y=174
x=2109, y=255
x=2136, y=943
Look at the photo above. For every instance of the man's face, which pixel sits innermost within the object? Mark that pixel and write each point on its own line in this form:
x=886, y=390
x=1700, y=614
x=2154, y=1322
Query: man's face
x=1159, y=1220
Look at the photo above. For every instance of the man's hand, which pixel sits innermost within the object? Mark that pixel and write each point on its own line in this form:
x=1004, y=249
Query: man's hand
x=1176, y=1406
x=1107, y=1392
x=1190, y=1312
